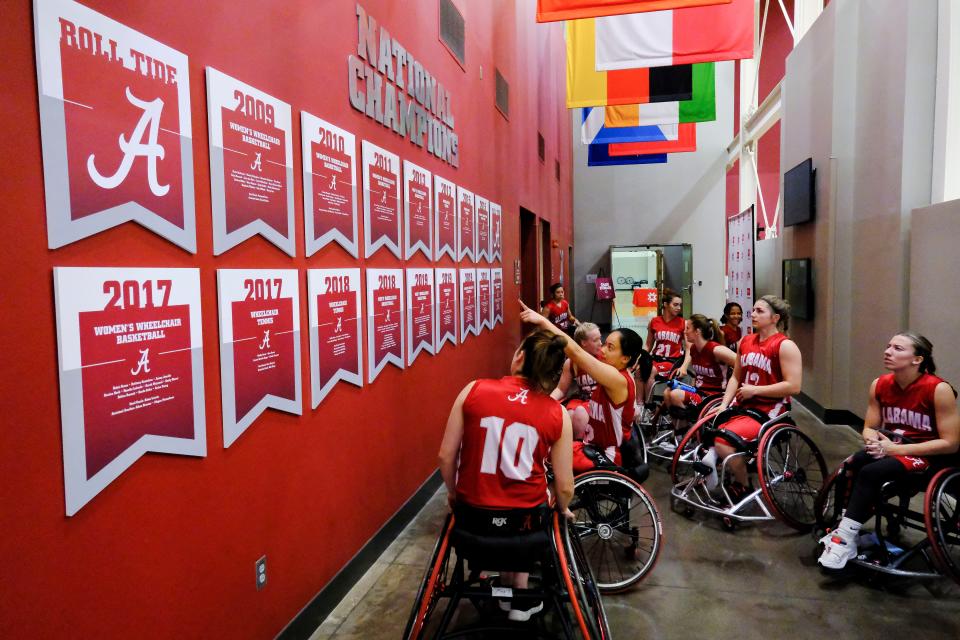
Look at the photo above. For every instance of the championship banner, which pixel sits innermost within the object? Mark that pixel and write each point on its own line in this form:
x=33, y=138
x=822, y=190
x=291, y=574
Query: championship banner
x=484, y=301
x=329, y=185
x=496, y=227
x=418, y=210
x=381, y=199
x=333, y=298
x=251, y=164
x=740, y=258
x=131, y=371
x=445, y=224
x=384, y=320
x=496, y=276
x=466, y=225
x=446, y=307
x=115, y=127
x=483, y=228
x=554, y=10
x=259, y=345
x=420, y=312
x=468, y=303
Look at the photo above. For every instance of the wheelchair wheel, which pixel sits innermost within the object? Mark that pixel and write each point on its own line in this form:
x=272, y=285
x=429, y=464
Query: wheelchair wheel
x=433, y=581
x=708, y=405
x=791, y=471
x=686, y=454
x=618, y=527
x=581, y=585
x=942, y=516
x=830, y=502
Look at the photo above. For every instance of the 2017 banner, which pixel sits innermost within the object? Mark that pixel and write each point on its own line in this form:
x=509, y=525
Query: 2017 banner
x=385, y=305
x=468, y=303
x=329, y=185
x=445, y=240
x=251, y=164
x=418, y=210
x=115, y=127
x=259, y=345
x=131, y=371
x=446, y=316
x=333, y=296
x=381, y=199
x=421, y=308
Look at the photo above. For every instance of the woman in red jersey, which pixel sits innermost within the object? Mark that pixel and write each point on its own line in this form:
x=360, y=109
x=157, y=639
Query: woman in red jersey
x=557, y=309
x=706, y=360
x=576, y=397
x=730, y=325
x=498, y=437
x=665, y=332
x=768, y=371
x=912, y=401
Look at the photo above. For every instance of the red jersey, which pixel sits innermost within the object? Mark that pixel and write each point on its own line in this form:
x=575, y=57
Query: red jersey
x=731, y=335
x=760, y=365
x=705, y=369
x=508, y=430
x=909, y=411
x=559, y=313
x=667, y=337
x=611, y=422
x=585, y=383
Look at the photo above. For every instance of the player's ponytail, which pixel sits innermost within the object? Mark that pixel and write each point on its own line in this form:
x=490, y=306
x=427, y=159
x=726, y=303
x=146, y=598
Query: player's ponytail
x=923, y=348
x=780, y=307
x=707, y=327
x=543, y=359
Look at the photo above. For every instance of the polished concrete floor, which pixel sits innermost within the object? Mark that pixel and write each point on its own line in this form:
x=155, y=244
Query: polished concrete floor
x=759, y=580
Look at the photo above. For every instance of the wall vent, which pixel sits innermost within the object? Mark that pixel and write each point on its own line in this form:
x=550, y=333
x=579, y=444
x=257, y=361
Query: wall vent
x=541, y=146
x=556, y=167
x=503, y=94
x=452, y=30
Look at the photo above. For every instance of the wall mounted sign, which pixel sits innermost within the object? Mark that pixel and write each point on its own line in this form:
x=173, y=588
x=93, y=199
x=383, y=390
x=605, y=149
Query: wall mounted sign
x=496, y=231
x=466, y=225
x=384, y=320
x=329, y=185
x=484, y=301
x=418, y=210
x=483, y=228
x=333, y=296
x=468, y=303
x=496, y=277
x=446, y=288
x=421, y=309
x=381, y=199
x=445, y=224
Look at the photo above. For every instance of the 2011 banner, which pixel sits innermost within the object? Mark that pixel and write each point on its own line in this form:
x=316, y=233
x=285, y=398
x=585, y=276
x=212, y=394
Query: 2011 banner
x=334, y=301
x=385, y=305
x=115, y=127
x=131, y=371
x=329, y=185
x=259, y=345
x=381, y=199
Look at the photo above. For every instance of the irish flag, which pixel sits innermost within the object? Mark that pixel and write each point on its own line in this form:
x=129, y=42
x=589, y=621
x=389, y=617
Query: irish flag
x=552, y=10
x=669, y=38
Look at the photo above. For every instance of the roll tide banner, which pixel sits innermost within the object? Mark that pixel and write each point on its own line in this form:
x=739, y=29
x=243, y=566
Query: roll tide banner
x=418, y=210
x=496, y=277
x=333, y=296
x=381, y=199
x=115, y=127
x=466, y=225
x=483, y=228
x=131, y=371
x=421, y=308
x=468, y=303
x=445, y=224
x=484, y=300
x=259, y=345
x=384, y=320
x=496, y=227
x=329, y=185
x=446, y=315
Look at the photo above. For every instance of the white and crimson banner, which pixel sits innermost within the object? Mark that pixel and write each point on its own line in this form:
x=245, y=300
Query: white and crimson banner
x=381, y=199
x=468, y=303
x=418, y=209
x=446, y=316
x=329, y=185
x=445, y=224
x=421, y=308
x=333, y=296
x=385, y=305
x=466, y=225
x=115, y=127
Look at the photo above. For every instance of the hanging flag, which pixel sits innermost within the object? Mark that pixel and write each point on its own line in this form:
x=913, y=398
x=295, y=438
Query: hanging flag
x=668, y=38
x=553, y=10
x=686, y=141
x=598, y=155
x=630, y=122
x=587, y=87
x=593, y=131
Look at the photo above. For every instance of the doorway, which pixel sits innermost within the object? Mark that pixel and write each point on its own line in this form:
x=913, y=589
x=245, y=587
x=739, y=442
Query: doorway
x=546, y=252
x=529, y=250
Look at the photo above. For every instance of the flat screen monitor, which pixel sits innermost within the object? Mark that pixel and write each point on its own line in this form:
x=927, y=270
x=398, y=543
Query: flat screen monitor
x=799, y=194
x=798, y=287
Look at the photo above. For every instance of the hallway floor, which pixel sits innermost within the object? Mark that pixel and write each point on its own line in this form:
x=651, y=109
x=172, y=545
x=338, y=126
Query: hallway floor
x=762, y=579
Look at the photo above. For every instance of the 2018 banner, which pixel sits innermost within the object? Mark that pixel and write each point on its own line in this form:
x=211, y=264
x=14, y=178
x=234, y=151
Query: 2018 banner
x=115, y=127
x=381, y=199
x=418, y=209
x=333, y=296
x=468, y=303
x=329, y=185
x=445, y=239
x=446, y=316
x=259, y=345
x=251, y=164
x=466, y=225
x=421, y=308
x=385, y=305
x=131, y=371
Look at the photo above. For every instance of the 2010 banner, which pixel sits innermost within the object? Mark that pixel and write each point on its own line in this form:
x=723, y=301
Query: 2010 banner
x=115, y=127
x=446, y=317
x=329, y=185
x=421, y=308
x=385, y=305
x=259, y=345
x=131, y=371
x=333, y=297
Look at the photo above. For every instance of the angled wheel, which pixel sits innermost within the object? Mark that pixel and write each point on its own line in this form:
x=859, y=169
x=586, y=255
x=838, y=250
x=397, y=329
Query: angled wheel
x=686, y=454
x=433, y=582
x=942, y=519
x=830, y=502
x=618, y=527
x=791, y=472
x=708, y=405
x=584, y=593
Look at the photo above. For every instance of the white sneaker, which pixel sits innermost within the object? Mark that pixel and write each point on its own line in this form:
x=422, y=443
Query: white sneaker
x=516, y=615
x=504, y=605
x=838, y=550
x=668, y=447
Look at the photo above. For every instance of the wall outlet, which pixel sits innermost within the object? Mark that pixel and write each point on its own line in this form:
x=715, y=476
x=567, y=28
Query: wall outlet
x=261, y=569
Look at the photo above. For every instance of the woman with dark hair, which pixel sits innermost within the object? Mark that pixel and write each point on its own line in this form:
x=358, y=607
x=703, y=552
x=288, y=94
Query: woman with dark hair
x=707, y=361
x=730, y=325
x=557, y=309
x=665, y=332
x=497, y=438
x=913, y=402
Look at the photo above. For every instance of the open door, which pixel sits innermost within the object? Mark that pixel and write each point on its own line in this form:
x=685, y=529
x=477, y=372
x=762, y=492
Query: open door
x=529, y=250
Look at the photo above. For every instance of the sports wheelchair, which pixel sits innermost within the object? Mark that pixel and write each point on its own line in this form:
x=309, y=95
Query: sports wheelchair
x=661, y=436
x=543, y=545
x=654, y=425
x=886, y=549
x=789, y=468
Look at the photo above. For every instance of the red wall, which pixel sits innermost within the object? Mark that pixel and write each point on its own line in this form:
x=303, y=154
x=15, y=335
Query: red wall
x=168, y=549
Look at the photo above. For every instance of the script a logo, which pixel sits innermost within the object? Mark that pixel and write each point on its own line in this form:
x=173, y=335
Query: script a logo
x=134, y=147
x=521, y=396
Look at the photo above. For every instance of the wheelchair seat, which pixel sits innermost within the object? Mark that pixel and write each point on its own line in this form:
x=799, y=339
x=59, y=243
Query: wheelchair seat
x=501, y=539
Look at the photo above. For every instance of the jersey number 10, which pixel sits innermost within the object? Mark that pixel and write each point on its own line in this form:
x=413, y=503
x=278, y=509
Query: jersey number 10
x=513, y=446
